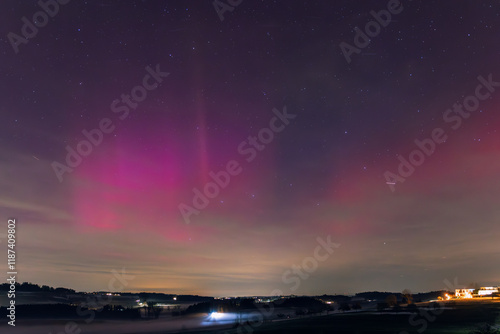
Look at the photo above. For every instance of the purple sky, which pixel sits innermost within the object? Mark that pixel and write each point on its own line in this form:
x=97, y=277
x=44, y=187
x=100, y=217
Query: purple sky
x=316, y=174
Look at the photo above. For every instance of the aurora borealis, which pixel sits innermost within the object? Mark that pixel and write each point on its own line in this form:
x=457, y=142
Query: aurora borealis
x=319, y=174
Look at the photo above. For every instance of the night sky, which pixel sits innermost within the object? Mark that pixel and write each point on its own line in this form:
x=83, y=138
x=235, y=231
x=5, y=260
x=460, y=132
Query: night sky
x=314, y=141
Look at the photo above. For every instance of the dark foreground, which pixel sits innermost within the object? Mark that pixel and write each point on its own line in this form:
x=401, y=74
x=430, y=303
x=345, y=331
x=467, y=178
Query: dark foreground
x=449, y=317
x=453, y=317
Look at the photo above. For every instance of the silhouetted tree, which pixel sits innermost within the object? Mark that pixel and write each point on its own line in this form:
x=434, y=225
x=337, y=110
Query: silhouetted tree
x=46, y=288
x=63, y=291
x=407, y=296
x=205, y=307
x=154, y=310
x=391, y=300
x=29, y=287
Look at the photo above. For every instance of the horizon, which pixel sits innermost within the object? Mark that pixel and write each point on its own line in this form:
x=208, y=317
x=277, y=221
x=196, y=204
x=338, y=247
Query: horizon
x=237, y=296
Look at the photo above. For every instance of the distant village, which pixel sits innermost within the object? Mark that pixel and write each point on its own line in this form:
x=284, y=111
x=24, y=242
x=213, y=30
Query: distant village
x=485, y=291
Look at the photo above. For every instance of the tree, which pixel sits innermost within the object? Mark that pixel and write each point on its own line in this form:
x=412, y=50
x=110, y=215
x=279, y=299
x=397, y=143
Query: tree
x=407, y=297
x=154, y=310
x=46, y=288
x=356, y=306
x=391, y=300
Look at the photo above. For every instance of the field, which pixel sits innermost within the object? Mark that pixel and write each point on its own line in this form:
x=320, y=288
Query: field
x=459, y=316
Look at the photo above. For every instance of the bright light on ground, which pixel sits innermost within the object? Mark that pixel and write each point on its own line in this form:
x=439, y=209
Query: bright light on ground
x=220, y=317
x=215, y=315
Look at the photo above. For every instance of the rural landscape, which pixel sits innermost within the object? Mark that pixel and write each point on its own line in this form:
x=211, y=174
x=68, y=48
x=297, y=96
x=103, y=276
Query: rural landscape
x=368, y=312
x=249, y=166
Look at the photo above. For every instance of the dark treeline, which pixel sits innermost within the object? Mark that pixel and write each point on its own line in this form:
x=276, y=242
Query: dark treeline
x=377, y=295
x=144, y=296
x=151, y=296
x=417, y=297
x=29, y=287
x=71, y=311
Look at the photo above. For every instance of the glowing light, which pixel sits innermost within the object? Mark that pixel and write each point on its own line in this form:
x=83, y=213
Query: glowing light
x=464, y=293
x=487, y=291
x=219, y=317
x=215, y=315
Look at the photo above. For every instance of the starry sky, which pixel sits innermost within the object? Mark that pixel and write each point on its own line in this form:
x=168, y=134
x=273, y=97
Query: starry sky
x=223, y=82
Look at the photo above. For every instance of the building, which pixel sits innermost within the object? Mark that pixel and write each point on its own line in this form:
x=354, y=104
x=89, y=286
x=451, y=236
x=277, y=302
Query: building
x=487, y=291
x=464, y=293
x=484, y=291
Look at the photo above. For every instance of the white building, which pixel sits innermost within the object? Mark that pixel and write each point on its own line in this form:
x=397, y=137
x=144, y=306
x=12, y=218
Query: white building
x=481, y=292
x=464, y=293
x=487, y=290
